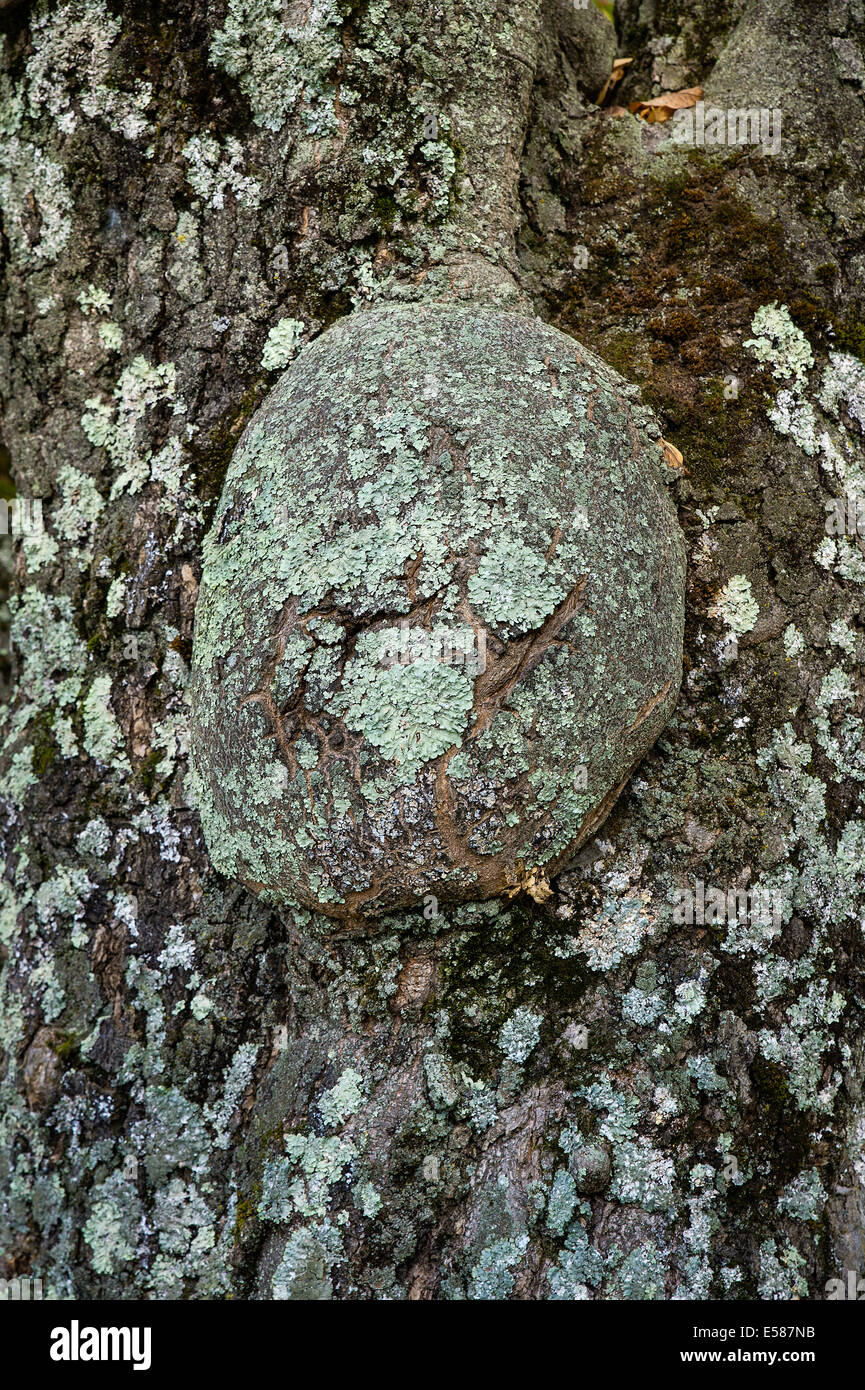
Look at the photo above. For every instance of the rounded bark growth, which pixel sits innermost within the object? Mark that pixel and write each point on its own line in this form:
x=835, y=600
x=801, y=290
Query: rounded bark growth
x=440, y=616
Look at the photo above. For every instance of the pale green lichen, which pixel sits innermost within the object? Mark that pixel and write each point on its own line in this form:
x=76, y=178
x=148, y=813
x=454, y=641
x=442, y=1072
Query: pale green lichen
x=200, y=1006
x=493, y=1275
x=514, y=586
x=303, y=1272
x=70, y=70
x=94, y=300
x=520, y=1034
x=617, y=930
x=63, y=896
x=796, y=418
x=690, y=1000
x=642, y=1174
x=643, y=1008
x=780, y=344
x=802, y=1039
x=115, y=597
x=9, y=909
x=826, y=426
x=103, y=739
x=562, y=1200
x=804, y=1197
x=110, y=1229
x=842, y=636
x=27, y=173
x=172, y=1134
x=185, y=272
x=836, y=685
x=794, y=642
x=76, y=518
x=642, y=1275
x=280, y=66
x=442, y=1081
x=579, y=1266
x=781, y=1274
x=116, y=426
x=343, y=1099
x=237, y=1079
x=40, y=550
x=411, y=713
x=68, y=74
x=53, y=658
x=215, y=168
x=368, y=1200
x=18, y=776
x=282, y=344
x=111, y=335
x=704, y=1074
x=187, y=1236
x=736, y=605
x=95, y=838
x=301, y=1182
x=843, y=385
x=178, y=950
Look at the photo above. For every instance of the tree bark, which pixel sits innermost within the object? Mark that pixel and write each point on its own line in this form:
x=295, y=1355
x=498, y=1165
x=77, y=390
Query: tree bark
x=588, y=1096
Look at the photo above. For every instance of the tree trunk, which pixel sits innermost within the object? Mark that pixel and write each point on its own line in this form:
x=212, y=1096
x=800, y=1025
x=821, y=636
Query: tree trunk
x=648, y=1084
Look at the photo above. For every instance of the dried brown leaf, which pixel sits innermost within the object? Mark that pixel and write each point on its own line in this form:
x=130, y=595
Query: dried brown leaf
x=662, y=108
x=534, y=883
x=673, y=455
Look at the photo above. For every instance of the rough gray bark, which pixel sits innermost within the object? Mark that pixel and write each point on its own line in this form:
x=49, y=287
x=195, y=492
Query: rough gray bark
x=581, y=1097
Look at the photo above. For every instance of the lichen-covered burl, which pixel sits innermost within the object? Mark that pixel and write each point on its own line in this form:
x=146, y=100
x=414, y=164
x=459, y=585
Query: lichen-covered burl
x=440, y=617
